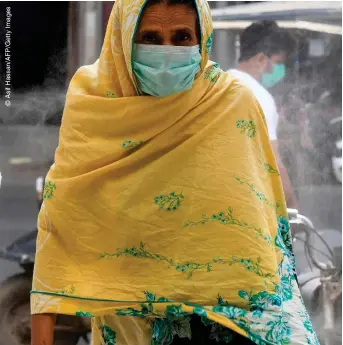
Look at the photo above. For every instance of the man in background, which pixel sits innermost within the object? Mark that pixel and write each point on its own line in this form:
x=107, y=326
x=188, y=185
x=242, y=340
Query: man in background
x=264, y=48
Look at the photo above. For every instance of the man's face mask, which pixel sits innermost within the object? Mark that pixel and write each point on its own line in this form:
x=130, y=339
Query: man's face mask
x=163, y=70
x=275, y=76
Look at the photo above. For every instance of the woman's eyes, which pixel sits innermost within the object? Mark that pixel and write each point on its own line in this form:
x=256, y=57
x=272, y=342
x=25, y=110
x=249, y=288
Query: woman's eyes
x=149, y=38
x=183, y=37
x=178, y=39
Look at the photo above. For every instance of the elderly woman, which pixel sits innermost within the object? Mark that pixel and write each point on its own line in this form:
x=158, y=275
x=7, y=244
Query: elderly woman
x=164, y=218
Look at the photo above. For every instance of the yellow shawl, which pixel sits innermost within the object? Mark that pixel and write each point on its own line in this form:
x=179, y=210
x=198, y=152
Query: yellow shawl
x=166, y=206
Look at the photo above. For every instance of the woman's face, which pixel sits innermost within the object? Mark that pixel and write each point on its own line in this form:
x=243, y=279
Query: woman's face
x=173, y=25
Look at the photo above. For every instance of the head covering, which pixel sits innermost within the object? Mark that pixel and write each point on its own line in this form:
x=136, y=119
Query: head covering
x=163, y=207
x=112, y=75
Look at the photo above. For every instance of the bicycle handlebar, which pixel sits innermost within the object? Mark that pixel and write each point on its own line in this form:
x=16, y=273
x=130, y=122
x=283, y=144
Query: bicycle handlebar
x=307, y=226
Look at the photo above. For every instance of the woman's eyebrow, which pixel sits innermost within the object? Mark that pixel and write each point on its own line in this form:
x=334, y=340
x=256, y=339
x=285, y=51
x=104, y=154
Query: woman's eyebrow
x=184, y=28
x=150, y=29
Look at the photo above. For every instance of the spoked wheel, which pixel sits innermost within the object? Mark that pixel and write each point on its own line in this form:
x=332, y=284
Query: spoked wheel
x=15, y=319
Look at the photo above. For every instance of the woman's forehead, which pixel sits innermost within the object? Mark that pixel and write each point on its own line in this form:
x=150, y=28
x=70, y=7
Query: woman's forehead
x=162, y=14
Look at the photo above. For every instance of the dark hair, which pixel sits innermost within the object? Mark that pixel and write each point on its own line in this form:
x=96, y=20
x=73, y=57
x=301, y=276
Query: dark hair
x=265, y=37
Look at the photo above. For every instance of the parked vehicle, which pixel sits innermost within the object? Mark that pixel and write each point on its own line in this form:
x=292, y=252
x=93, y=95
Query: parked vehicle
x=319, y=267
x=15, y=318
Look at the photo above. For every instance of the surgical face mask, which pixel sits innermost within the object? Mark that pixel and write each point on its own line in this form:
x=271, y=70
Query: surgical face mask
x=165, y=70
x=271, y=79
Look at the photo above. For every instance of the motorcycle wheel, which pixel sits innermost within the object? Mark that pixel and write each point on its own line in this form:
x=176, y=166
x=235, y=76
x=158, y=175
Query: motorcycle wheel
x=15, y=319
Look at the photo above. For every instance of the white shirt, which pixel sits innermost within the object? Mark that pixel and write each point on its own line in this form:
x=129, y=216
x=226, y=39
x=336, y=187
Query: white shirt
x=264, y=97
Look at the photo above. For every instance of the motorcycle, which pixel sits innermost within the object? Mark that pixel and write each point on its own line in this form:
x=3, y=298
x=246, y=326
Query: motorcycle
x=319, y=266
x=15, y=317
x=318, y=255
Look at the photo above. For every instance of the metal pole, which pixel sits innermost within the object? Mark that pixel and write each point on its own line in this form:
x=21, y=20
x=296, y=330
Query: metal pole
x=72, y=40
x=91, y=25
x=224, y=47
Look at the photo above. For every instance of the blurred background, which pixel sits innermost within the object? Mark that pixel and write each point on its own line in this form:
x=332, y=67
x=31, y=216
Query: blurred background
x=50, y=40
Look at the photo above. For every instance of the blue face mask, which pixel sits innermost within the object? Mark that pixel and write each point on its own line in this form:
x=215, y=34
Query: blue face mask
x=271, y=79
x=165, y=70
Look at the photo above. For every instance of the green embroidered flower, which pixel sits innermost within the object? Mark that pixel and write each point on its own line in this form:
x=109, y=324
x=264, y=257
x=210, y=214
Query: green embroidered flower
x=256, y=338
x=108, y=335
x=151, y=297
x=189, y=267
x=233, y=313
x=307, y=322
x=221, y=301
x=253, y=266
x=284, y=227
x=308, y=325
x=260, y=196
x=129, y=312
x=129, y=144
x=49, y=188
x=227, y=218
x=162, y=333
x=212, y=73
x=279, y=331
x=209, y=44
x=261, y=301
x=174, y=311
x=247, y=127
x=286, y=288
x=254, y=190
x=169, y=202
x=230, y=312
x=71, y=291
x=84, y=314
x=268, y=168
x=163, y=330
x=283, y=239
x=147, y=309
x=110, y=94
x=200, y=311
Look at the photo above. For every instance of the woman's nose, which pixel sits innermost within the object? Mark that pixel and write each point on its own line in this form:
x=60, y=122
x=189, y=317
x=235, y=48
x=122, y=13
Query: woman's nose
x=167, y=41
x=167, y=36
